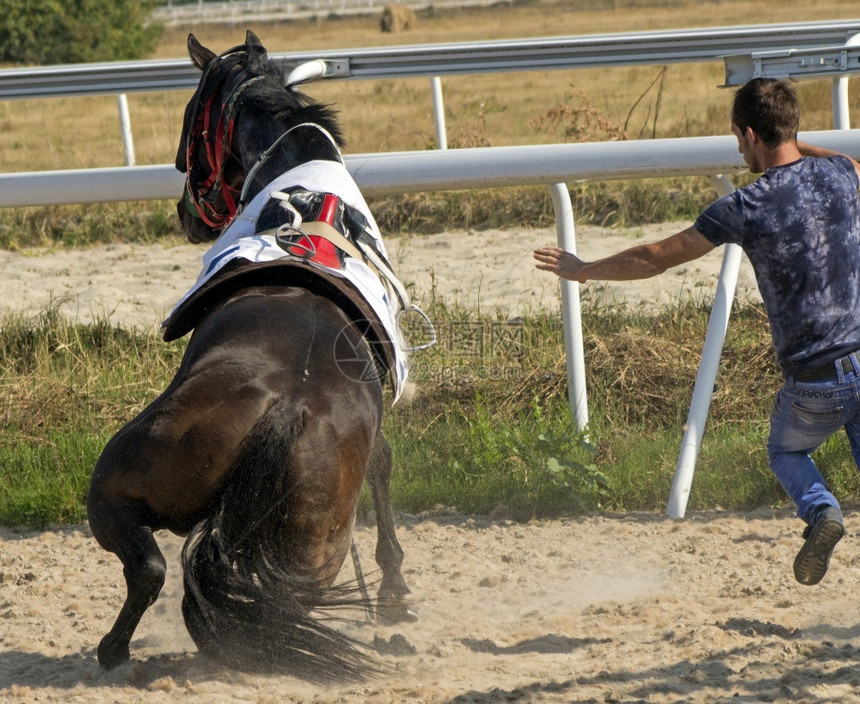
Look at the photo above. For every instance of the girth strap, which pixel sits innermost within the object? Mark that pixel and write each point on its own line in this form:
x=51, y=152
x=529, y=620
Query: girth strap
x=320, y=228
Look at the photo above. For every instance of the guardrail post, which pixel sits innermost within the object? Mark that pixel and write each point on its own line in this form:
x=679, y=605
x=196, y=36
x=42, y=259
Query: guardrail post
x=704, y=387
x=439, y=113
x=125, y=127
x=841, y=118
x=571, y=310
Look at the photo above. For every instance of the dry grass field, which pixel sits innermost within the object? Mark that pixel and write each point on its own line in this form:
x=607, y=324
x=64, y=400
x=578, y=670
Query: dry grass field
x=495, y=109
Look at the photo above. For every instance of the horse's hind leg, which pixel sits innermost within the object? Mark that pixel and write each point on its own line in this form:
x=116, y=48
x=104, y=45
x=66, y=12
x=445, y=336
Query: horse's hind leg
x=394, y=603
x=120, y=526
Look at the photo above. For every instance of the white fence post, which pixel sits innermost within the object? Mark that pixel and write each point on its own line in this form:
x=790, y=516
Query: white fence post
x=125, y=127
x=439, y=113
x=841, y=117
x=708, y=365
x=571, y=310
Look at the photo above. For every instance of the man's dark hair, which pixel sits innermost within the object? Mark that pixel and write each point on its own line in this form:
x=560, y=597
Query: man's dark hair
x=770, y=107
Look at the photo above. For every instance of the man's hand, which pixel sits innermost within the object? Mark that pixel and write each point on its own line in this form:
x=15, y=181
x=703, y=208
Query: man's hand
x=558, y=261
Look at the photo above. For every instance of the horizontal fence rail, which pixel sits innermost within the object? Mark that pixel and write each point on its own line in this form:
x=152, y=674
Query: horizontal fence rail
x=796, y=64
x=455, y=169
x=550, y=53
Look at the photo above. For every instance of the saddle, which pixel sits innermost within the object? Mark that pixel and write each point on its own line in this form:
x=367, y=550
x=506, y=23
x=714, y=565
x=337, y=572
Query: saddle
x=324, y=228
x=315, y=229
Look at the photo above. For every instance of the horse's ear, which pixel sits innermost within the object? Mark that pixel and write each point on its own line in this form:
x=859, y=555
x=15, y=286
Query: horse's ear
x=201, y=57
x=252, y=39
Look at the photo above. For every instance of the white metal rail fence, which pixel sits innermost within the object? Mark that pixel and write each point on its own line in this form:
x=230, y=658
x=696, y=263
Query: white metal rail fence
x=816, y=50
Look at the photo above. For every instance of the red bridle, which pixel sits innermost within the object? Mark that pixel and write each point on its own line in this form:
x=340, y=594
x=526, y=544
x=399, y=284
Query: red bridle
x=211, y=135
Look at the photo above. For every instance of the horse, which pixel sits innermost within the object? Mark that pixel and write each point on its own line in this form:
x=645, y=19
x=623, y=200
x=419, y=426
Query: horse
x=257, y=450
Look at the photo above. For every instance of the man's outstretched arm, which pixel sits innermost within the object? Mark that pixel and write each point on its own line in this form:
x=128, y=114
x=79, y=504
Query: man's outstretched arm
x=640, y=262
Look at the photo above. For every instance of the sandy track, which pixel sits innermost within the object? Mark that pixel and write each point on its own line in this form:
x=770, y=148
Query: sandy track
x=635, y=608
x=139, y=284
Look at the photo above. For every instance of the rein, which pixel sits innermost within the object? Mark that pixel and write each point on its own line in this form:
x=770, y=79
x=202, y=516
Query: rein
x=264, y=157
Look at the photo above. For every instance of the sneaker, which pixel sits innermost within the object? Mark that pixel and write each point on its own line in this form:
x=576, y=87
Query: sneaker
x=812, y=561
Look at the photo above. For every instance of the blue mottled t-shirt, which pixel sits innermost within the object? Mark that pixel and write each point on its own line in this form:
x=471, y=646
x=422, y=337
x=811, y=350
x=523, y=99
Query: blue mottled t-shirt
x=799, y=224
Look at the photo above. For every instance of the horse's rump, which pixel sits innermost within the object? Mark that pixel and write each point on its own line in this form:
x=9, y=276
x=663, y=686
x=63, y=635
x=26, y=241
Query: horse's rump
x=248, y=597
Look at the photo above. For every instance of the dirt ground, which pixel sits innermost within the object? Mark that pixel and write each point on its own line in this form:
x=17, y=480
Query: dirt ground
x=494, y=269
x=604, y=608
x=621, y=608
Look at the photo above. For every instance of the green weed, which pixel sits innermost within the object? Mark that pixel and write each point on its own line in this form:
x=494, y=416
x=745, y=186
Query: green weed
x=487, y=429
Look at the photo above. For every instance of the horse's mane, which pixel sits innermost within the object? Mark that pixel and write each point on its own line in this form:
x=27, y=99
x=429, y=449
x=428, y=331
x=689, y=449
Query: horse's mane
x=270, y=97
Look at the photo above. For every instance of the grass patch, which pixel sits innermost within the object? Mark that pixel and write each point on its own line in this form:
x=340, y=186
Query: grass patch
x=509, y=442
x=66, y=388
x=45, y=480
x=486, y=429
x=85, y=225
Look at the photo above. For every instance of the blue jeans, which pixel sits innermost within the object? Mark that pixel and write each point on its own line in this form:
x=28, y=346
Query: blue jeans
x=804, y=415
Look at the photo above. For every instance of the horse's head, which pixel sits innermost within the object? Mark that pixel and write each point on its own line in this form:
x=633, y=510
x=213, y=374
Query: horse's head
x=240, y=107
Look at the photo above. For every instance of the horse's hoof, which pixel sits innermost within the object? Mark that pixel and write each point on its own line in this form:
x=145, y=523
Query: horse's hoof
x=110, y=657
x=409, y=616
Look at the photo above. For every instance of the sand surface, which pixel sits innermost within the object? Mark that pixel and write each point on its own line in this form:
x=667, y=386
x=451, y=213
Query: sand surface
x=139, y=284
x=611, y=608
x=634, y=608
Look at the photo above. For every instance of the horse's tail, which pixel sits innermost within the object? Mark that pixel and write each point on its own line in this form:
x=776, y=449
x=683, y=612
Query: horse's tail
x=245, y=604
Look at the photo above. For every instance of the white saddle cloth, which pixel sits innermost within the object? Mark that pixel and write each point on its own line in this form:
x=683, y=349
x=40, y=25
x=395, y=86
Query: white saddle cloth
x=239, y=241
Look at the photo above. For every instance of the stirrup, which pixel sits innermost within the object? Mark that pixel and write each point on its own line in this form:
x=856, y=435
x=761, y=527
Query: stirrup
x=296, y=249
x=415, y=309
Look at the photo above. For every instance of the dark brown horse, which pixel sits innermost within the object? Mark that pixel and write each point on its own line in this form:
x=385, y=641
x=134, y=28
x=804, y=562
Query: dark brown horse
x=258, y=448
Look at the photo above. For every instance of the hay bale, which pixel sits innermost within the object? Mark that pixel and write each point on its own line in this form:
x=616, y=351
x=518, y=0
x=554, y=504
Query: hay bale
x=397, y=18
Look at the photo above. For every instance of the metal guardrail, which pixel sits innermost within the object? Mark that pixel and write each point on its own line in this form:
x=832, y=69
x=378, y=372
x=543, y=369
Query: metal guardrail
x=549, y=53
x=252, y=9
x=795, y=64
